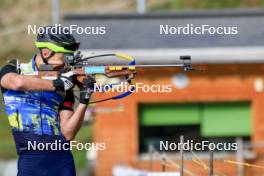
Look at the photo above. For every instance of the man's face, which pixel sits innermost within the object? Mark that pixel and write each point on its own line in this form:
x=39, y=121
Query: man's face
x=56, y=60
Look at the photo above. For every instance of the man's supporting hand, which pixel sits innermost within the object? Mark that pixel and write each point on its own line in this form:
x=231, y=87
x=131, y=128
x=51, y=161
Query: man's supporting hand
x=70, y=121
x=86, y=90
x=66, y=81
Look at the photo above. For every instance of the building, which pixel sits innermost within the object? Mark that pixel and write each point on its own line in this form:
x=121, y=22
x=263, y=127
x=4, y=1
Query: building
x=224, y=103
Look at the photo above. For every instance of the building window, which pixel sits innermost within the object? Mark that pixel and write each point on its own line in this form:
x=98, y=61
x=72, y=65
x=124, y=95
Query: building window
x=214, y=122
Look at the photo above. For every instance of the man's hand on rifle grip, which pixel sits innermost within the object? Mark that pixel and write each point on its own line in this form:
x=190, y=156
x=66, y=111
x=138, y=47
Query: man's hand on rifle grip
x=65, y=81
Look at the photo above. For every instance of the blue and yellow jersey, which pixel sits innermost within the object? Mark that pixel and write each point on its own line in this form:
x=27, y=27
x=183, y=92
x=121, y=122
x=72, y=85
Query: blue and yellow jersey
x=34, y=116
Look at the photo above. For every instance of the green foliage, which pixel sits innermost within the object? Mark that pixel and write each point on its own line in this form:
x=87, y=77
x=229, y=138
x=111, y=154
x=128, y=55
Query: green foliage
x=206, y=4
x=6, y=3
x=17, y=53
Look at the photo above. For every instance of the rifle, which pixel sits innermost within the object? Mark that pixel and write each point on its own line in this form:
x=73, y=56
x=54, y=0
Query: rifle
x=83, y=69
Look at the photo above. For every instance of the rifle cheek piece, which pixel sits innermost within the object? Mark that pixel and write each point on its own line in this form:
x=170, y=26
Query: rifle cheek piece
x=45, y=67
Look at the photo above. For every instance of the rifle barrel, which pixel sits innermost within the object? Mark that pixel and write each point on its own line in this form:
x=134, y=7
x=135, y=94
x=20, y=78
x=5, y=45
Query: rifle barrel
x=137, y=66
x=157, y=66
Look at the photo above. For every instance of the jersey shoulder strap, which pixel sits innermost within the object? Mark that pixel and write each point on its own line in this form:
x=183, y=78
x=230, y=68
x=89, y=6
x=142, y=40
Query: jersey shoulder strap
x=13, y=63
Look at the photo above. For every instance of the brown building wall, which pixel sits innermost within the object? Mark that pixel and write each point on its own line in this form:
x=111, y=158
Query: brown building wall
x=119, y=130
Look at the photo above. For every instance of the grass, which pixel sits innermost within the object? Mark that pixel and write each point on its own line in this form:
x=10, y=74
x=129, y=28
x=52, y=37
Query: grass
x=84, y=136
x=7, y=146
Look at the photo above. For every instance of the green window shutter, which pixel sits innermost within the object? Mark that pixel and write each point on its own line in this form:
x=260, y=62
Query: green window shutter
x=169, y=114
x=226, y=119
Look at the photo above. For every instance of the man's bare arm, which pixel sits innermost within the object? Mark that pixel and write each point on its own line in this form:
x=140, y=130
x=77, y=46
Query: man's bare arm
x=71, y=122
x=15, y=81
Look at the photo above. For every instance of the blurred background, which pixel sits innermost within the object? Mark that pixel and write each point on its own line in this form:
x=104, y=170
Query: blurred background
x=221, y=104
